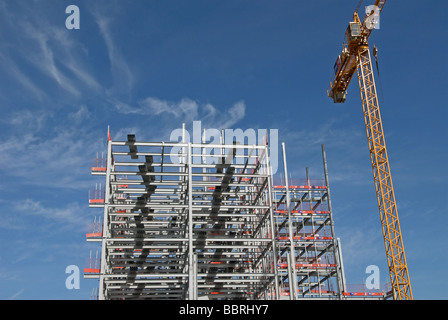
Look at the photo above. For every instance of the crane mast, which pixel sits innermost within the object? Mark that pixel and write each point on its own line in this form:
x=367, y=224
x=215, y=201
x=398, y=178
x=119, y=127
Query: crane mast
x=355, y=56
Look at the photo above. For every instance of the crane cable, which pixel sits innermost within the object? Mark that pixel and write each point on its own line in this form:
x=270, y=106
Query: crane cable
x=375, y=54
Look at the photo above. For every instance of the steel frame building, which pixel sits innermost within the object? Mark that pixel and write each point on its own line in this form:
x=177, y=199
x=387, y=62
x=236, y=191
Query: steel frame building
x=208, y=221
x=313, y=258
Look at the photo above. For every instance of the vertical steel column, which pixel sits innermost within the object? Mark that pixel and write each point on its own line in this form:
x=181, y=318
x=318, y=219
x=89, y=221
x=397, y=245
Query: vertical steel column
x=292, y=286
x=341, y=264
x=272, y=225
x=195, y=276
x=191, y=282
x=183, y=141
x=106, y=233
x=290, y=277
x=336, y=248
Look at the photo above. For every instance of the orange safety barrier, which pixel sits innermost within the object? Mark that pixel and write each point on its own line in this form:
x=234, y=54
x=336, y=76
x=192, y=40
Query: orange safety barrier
x=94, y=230
x=305, y=238
x=94, y=235
x=291, y=187
x=136, y=250
x=299, y=187
x=302, y=211
x=363, y=294
x=96, y=201
x=286, y=293
x=299, y=182
x=360, y=290
x=96, y=196
x=99, y=164
x=308, y=265
x=92, y=265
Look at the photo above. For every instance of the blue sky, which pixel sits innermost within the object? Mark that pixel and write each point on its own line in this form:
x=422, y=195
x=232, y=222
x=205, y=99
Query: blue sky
x=145, y=67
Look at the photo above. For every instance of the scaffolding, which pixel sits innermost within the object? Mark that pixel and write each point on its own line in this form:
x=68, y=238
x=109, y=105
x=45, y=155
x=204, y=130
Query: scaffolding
x=208, y=221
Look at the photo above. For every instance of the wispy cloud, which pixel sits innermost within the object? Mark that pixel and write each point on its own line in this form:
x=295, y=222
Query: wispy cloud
x=16, y=295
x=185, y=107
x=44, y=59
x=28, y=121
x=71, y=214
x=121, y=134
x=123, y=77
x=34, y=47
x=343, y=143
x=10, y=67
x=187, y=110
x=361, y=245
x=234, y=114
x=331, y=131
x=47, y=154
x=80, y=115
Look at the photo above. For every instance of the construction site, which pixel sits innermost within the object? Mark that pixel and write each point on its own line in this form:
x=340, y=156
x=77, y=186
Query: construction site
x=210, y=221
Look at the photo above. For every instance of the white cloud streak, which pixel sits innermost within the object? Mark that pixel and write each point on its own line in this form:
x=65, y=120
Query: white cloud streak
x=120, y=69
x=80, y=115
x=44, y=59
x=187, y=110
x=70, y=214
x=9, y=66
x=49, y=156
x=48, y=49
x=16, y=295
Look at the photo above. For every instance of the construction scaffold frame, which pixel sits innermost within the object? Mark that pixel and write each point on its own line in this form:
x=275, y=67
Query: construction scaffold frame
x=208, y=221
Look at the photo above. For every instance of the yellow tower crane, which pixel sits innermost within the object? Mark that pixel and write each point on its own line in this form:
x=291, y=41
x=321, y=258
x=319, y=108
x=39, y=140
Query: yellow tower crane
x=355, y=56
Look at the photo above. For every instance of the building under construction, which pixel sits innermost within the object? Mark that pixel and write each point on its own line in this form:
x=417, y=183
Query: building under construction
x=210, y=221
x=190, y=228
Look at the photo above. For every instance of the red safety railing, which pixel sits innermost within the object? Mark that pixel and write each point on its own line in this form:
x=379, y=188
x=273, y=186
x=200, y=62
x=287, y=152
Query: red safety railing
x=305, y=238
x=284, y=291
x=99, y=164
x=279, y=183
x=308, y=265
x=93, y=265
x=94, y=230
x=302, y=212
x=361, y=290
x=96, y=196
